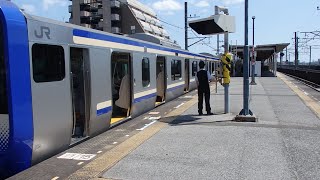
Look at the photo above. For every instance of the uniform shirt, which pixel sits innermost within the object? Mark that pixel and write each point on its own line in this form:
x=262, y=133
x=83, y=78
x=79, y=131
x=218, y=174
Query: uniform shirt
x=208, y=74
x=202, y=78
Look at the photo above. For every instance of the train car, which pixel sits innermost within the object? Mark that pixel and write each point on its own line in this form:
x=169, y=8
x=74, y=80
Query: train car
x=61, y=83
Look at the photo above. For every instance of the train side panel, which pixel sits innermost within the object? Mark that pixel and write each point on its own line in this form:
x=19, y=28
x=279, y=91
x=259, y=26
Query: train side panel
x=101, y=94
x=175, y=80
x=144, y=93
x=51, y=95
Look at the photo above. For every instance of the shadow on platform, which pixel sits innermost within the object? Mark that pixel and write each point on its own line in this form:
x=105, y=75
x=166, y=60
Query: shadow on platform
x=194, y=119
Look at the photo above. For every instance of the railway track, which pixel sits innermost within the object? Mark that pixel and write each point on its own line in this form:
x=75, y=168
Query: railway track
x=306, y=82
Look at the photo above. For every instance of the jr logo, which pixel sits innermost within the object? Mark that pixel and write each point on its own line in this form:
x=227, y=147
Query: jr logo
x=43, y=31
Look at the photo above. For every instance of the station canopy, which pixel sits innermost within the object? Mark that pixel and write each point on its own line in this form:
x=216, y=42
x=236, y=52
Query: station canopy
x=263, y=51
x=215, y=24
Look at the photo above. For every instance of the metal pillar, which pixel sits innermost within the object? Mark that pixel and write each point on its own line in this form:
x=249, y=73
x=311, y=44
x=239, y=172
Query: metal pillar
x=186, y=25
x=246, y=111
x=218, y=44
x=226, y=86
x=286, y=54
x=275, y=65
x=310, y=58
x=253, y=62
x=295, y=50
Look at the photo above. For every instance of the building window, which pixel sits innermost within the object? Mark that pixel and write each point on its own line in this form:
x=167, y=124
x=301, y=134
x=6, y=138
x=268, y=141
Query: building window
x=48, y=63
x=176, y=73
x=145, y=72
x=194, y=68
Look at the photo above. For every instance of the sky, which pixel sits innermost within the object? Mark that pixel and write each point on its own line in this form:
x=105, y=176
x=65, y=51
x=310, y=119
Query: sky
x=276, y=20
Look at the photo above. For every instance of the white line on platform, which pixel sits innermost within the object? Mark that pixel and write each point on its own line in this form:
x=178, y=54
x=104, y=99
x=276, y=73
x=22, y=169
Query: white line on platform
x=80, y=163
x=115, y=143
x=179, y=105
x=154, y=113
x=147, y=125
x=127, y=135
x=154, y=118
x=306, y=93
x=99, y=152
x=55, y=178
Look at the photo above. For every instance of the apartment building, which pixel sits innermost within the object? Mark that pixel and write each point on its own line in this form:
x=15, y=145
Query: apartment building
x=126, y=17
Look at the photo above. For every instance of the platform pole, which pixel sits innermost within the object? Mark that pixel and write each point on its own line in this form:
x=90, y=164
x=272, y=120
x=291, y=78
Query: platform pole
x=226, y=85
x=246, y=115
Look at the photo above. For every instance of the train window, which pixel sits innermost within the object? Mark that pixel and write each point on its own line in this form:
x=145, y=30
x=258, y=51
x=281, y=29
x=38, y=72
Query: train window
x=176, y=73
x=48, y=63
x=194, y=68
x=145, y=72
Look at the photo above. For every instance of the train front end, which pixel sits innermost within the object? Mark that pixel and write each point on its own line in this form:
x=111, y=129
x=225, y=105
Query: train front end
x=16, y=126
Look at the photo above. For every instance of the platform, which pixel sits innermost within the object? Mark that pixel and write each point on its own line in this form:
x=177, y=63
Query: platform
x=173, y=142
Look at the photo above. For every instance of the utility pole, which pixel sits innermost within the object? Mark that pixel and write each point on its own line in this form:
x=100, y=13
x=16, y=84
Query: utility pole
x=218, y=45
x=186, y=25
x=296, y=50
x=286, y=54
x=310, y=58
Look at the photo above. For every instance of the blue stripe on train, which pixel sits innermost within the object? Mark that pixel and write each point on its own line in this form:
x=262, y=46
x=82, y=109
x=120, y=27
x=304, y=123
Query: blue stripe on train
x=104, y=111
x=176, y=87
x=19, y=87
x=137, y=100
x=105, y=37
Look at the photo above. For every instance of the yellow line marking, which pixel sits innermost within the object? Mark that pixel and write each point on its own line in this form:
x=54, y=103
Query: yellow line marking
x=114, y=120
x=313, y=105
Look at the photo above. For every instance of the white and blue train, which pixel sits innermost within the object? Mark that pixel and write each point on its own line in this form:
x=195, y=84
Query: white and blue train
x=61, y=82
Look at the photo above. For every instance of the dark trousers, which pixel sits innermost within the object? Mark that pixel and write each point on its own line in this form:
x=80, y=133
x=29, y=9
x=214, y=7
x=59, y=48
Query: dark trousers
x=206, y=94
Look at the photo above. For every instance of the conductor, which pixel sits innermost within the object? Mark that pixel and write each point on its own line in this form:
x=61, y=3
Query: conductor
x=203, y=77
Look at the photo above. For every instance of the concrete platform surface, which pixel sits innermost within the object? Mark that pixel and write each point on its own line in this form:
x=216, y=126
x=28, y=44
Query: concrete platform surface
x=283, y=144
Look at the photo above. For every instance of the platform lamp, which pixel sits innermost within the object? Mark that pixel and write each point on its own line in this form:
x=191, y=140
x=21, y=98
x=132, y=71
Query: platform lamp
x=253, y=62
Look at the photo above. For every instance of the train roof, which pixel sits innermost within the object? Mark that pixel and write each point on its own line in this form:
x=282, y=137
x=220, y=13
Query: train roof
x=119, y=38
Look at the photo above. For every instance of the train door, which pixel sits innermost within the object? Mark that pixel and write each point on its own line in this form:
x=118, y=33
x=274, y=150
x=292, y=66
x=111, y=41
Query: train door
x=4, y=114
x=121, y=86
x=80, y=87
x=161, y=79
x=187, y=75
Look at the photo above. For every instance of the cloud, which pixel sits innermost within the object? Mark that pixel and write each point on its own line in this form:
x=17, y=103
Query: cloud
x=49, y=3
x=29, y=8
x=231, y=2
x=202, y=4
x=167, y=5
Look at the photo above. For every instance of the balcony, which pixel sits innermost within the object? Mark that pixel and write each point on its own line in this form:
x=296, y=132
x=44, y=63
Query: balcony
x=115, y=17
x=115, y=4
x=85, y=1
x=85, y=14
x=116, y=30
x=86, y=25
x=70, y=8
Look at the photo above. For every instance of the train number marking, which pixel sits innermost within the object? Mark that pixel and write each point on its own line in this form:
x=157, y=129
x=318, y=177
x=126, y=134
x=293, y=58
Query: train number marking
x=43, y=31
x=77, y=156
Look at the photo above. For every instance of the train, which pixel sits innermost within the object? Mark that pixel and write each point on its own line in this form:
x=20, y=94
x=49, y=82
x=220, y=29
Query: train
x=61, y=83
